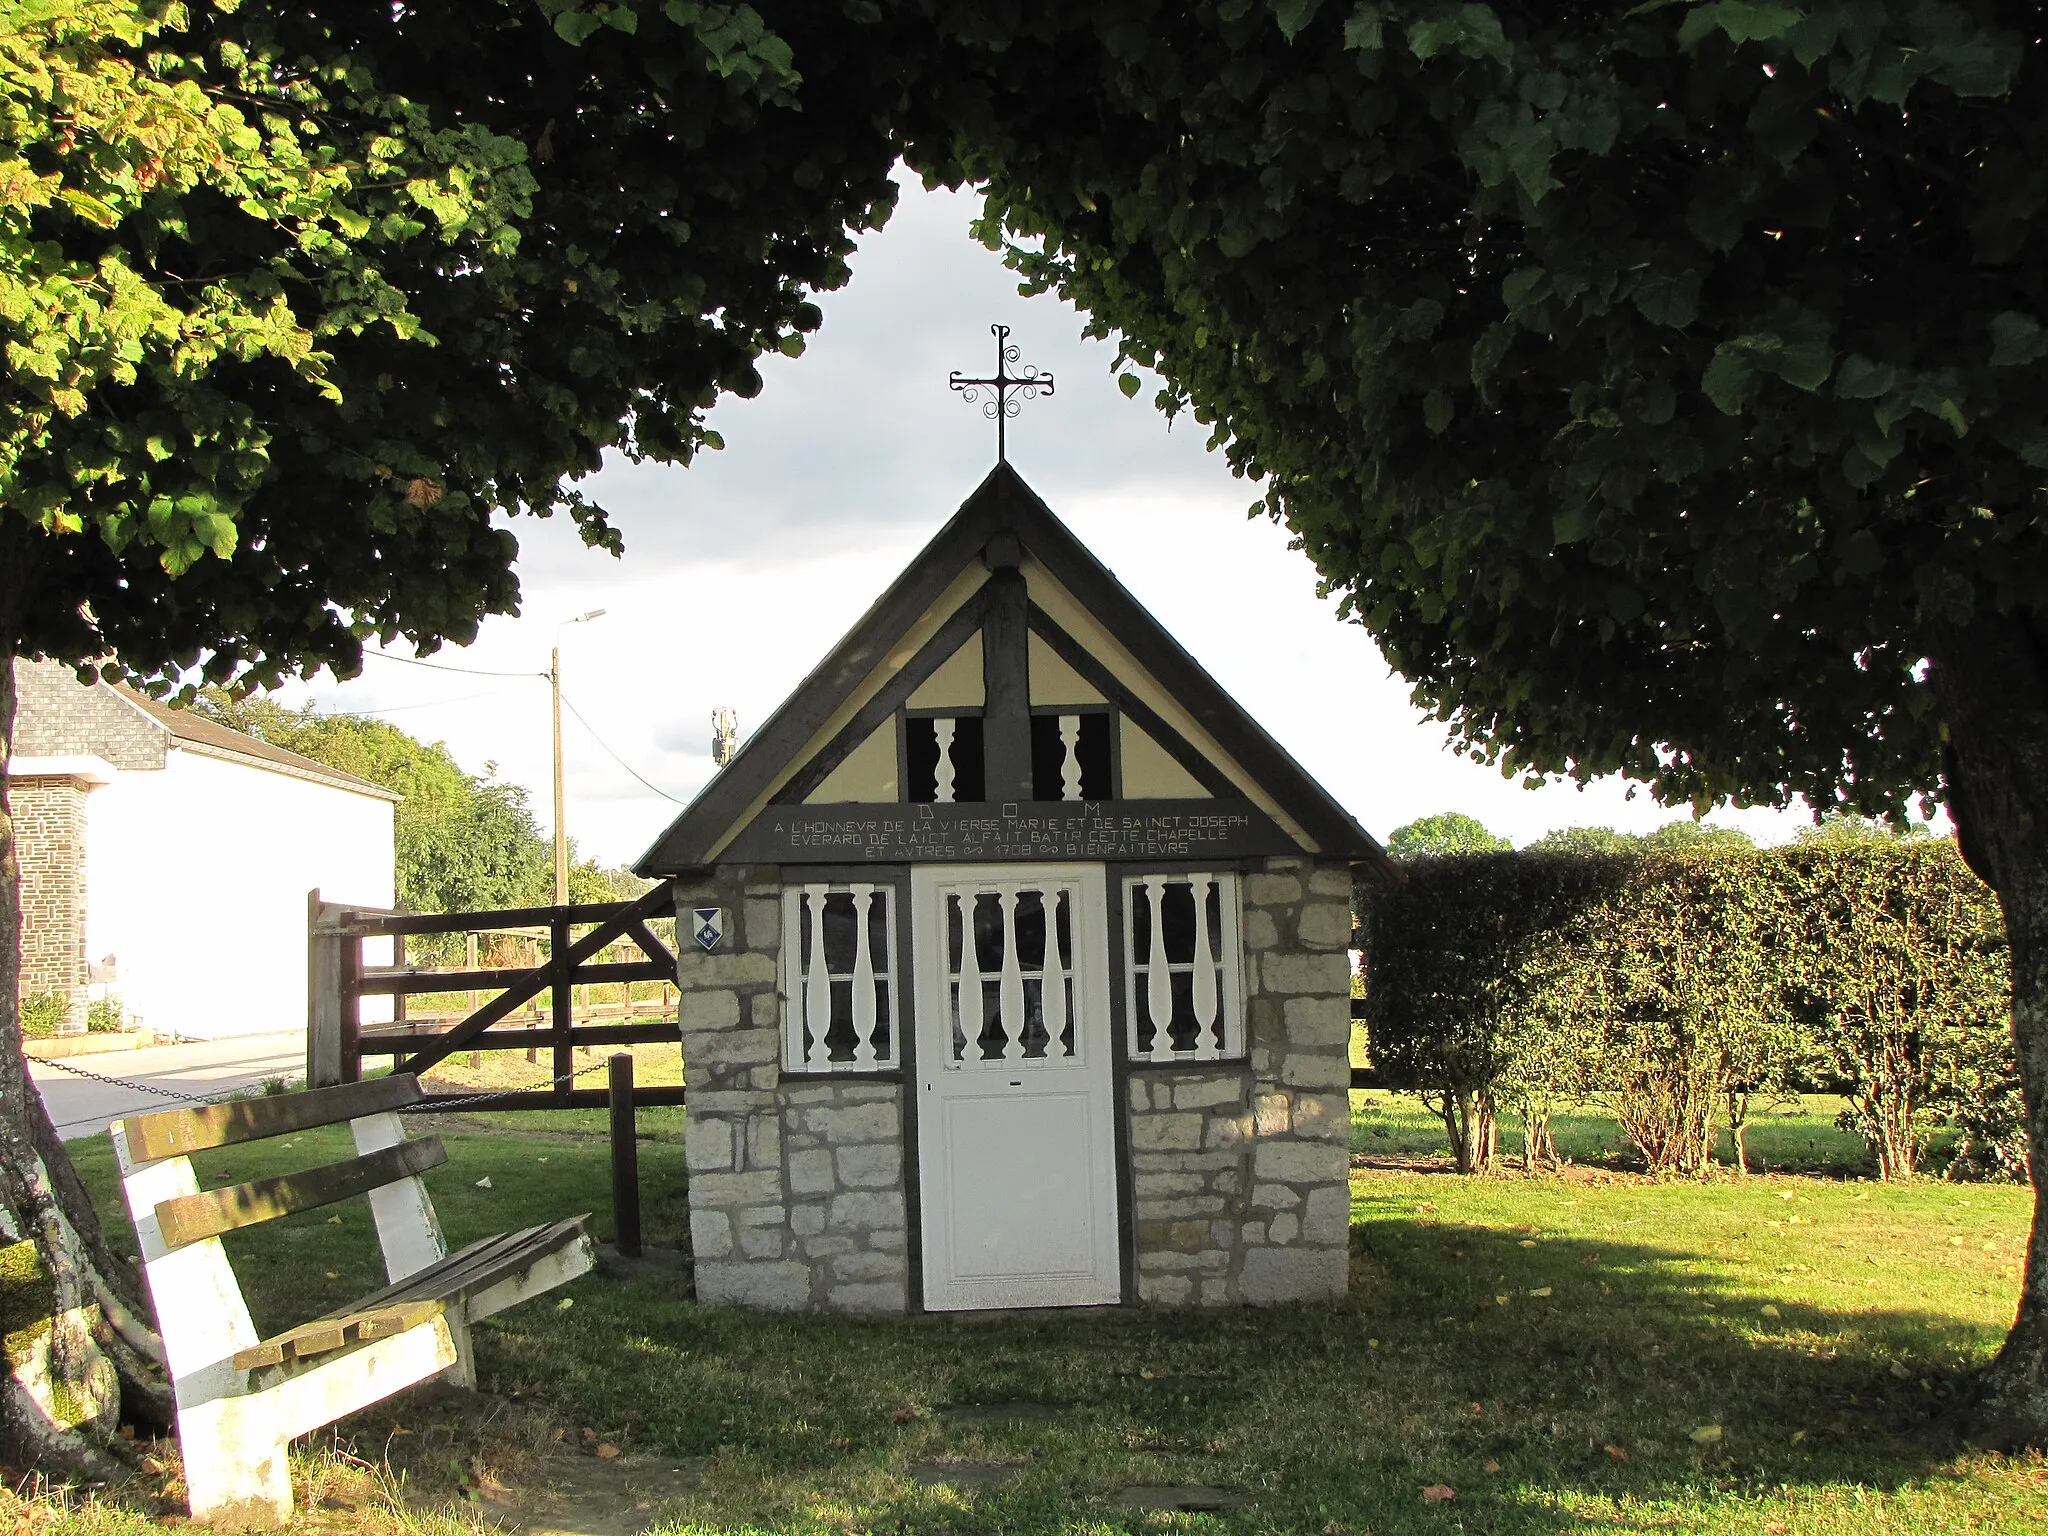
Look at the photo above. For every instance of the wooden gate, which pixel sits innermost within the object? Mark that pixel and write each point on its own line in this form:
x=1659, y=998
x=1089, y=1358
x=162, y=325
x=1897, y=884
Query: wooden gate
x=576, y=937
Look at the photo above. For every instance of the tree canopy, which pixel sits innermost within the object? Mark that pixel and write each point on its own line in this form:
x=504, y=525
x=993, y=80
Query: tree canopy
x=1445, y=832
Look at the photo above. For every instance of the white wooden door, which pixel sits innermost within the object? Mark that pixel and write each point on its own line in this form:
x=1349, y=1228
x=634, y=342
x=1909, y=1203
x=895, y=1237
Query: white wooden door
x=1016, y=1150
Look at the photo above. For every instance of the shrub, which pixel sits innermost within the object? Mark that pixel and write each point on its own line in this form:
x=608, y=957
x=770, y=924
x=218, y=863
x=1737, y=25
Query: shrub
x=42, y=1014
x=105, y=1016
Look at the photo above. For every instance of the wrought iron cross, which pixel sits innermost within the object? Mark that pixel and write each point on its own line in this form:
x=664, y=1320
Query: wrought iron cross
x=998, y=403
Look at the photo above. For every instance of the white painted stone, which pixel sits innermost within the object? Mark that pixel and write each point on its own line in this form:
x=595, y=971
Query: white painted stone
x=731, y=1189
x=1209, y=1092
x=739, y=1047
x=830, y=1247
x=1227, y=1130
x=1274, y=1275
x=1166, y=1133
x=725, y=970
x=1274, y=1197
x=868, y=1266
x=1271, y=890
x=1329, y=974
x=865, y=1209
x=764, y=1141
x=1165, y=1290
x=764, y=923
x=807, y=1220
x=1325, y=925
x=761, y=1242
x=709, y=1008
x=1306, y=1069
x=1215, y=1290
x=764, y=1010
x=783, y=1286
x=869, y=1298
x=1299, y=1162
x=1284, y=1228
x=725, y=1101
x=1141, y=1093
x=1181, y=1263
x=1272, y=1115
x=878, y=1165
x=710, y=1234
x=1330, y=880
x=1254, y=1233
x=855, y=1122
x=1311, y=1021
x=1327, y=1219
x=810, y=1173
x=1260, y=931
x=1179, y=1207
x=1152, y=1184
x=707, y=1143
x=1324, y=1115
x=897, y=1241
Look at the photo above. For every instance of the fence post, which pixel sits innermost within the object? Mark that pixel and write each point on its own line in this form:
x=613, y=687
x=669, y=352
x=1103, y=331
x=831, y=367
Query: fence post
x=324, y=995
x=625, y=1159
x=559, y=998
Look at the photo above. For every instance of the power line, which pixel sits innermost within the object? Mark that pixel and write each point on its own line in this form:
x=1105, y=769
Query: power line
x=399, y=709
x=435, y=666
x=615, y=756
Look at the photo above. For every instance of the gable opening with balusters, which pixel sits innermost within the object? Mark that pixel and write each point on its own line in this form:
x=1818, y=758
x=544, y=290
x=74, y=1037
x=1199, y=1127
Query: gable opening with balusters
x=1033, y=988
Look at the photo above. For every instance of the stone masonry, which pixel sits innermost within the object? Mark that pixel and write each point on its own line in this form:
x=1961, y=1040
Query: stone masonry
x=49, y=830
x=796, y=1182
x=1240, y=1171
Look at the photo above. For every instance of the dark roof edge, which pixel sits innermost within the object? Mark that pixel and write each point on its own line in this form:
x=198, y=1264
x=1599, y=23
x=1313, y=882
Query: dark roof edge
x=687, y=840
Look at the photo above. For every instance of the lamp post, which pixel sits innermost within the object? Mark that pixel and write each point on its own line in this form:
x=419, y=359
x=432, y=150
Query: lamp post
x=561, y=826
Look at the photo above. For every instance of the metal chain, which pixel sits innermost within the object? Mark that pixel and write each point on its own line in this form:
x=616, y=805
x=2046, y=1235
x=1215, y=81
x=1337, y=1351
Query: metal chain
x=242, y=1092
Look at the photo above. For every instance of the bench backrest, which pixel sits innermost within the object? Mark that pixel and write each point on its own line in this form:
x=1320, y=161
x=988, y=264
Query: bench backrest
x=179, y=1225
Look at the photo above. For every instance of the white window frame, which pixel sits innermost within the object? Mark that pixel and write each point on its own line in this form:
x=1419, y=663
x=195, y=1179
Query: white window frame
x=807, y=991
x=1222, y=1037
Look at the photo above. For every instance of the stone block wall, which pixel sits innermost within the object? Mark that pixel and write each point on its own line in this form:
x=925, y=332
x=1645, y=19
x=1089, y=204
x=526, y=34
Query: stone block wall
x=796, y=1183
x=1240, y=1172
x=49, y=830
x=55, y=715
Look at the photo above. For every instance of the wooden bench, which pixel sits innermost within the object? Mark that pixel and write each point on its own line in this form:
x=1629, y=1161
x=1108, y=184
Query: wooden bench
x=243, y=1399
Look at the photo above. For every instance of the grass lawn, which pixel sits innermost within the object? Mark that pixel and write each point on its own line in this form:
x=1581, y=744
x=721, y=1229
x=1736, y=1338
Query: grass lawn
x=1585, y=1352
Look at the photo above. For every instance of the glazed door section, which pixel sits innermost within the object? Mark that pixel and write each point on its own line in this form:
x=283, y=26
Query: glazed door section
x=1016, y=1151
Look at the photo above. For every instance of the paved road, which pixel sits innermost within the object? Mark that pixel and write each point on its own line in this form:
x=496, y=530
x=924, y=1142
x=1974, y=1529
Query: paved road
x=82, y=1107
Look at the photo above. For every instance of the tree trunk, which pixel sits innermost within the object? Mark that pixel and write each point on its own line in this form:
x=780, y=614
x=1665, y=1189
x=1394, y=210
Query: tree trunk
x=1991, y=683
x=1469, y=1121
x=89, y=1350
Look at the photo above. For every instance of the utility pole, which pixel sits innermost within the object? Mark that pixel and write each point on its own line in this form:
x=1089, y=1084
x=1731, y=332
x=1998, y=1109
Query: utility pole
x=561, y=817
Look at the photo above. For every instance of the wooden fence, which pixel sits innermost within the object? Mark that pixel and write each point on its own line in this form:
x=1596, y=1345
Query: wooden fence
x=576, y=936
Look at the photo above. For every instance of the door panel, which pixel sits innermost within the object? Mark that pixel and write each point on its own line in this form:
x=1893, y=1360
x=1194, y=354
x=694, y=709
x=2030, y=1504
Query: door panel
x=1016, y=1151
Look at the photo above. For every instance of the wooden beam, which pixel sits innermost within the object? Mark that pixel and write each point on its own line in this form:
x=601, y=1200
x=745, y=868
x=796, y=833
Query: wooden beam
x=328, y=1335
x=575, y=1098
x=1134, y=709
x=188, y=1218
x=396, y=1042
x=414, y=983
x=484, y=922
x=892, y=696
x=1006, y=682
x=181, y=1132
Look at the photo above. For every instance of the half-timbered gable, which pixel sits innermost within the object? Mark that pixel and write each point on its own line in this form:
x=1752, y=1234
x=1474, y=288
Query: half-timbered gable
x=1021, y=976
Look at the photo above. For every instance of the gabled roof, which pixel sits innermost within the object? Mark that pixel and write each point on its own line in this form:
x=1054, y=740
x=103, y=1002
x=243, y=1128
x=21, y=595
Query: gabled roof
x=1001, y=504
x=213, y=739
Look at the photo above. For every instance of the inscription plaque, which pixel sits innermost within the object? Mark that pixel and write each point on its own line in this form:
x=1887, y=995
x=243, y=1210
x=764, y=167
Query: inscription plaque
x=1104, y=830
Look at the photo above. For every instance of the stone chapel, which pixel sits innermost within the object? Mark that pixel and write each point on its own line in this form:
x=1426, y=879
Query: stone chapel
x=1013, y=962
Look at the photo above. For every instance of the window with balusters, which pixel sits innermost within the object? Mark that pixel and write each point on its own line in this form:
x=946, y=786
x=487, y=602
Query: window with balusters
x=839, y=981
x=1183, y=983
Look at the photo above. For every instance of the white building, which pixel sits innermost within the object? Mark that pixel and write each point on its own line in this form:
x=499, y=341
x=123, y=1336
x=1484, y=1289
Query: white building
x=166, y=859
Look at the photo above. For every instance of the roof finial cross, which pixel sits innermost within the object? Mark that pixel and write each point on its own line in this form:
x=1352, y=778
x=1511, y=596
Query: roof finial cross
x=998, y=403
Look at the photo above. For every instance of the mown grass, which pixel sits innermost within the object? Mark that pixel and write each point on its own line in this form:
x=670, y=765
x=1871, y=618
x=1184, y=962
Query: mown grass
x=1557, y=1350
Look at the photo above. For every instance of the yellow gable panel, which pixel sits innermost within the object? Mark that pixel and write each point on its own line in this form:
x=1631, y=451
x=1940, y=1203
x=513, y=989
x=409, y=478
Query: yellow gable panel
x=1054, y=682
x=1150, y=772
x=866, y=776
x=957, y=683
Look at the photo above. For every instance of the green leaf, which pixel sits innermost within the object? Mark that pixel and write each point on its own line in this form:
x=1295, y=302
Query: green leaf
x=1293, y=15
x=1437, y=410
x=1741, y=20
x=2016, y=339
x=1858, y=378
x=1573, y=523
x=1363, y=32
x=1728, y=378
x=1129, y=384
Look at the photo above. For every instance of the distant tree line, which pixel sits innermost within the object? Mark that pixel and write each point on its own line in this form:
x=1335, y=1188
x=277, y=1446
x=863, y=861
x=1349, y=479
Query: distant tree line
x=1679, y=981
x=465, y=842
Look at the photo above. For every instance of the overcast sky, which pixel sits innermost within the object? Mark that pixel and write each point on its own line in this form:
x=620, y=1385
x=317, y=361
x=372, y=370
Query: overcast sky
x=740, y=572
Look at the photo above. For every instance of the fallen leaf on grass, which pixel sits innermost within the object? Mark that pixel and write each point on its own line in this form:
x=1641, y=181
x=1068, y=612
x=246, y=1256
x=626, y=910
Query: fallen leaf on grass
x=1439, y=1493
x=1900, y=1371
x=1770, y=1309
x=484, y=1182
x=1616, y=1452
x=903, y=1415
x=1493, y=1466
x=1541, y=1290
x=1528, y=1242
x=1706, y=1434
x=1501, y=1300
x=607, y=1451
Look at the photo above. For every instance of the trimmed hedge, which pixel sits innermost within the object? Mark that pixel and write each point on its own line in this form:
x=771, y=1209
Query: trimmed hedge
x=1679, y=987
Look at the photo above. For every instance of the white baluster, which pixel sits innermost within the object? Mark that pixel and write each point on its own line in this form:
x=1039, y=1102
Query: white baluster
x=863, y=980
x=970, y=981
x=818, y=982
x=1158, y=980
x=1011, y=991
x=943, y=793
x=1204, y=978
x=1070, y=764
x=1052, y=994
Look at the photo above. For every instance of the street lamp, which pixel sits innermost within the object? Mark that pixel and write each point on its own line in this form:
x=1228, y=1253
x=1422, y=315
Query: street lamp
x=561, y=826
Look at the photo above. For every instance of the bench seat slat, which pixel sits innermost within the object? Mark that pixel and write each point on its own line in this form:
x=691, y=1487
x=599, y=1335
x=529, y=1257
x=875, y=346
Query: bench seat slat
x=327, y=1336
x=188, y=1218
x=181, y=1132
x=476, y=1267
